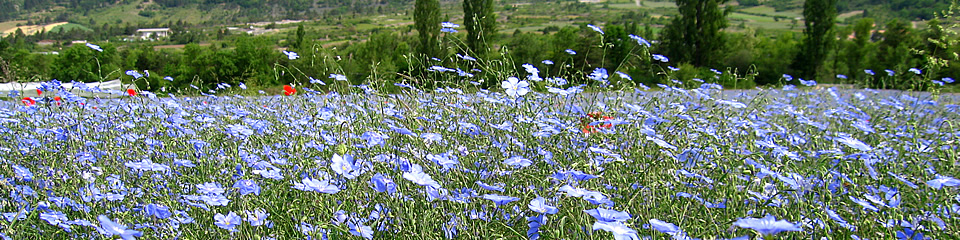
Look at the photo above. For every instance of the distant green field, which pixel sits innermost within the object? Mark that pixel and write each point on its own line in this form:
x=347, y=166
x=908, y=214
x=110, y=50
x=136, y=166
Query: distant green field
x=70, y=26
x=760, y=21
x=129, y=12
x=772, y=12
x=536, y=28
x=643, y=4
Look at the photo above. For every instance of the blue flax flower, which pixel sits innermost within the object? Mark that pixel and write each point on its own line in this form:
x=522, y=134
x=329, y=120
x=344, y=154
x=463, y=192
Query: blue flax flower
x=499, y=199
x=361, y=230
x=111, y=228
x=310, y=184
x=291, y=55
x=767, y=225
x=344, y=165
x=518, y=161
x=539, y=205
x=382, y=183
x=228, y=222
x=607, y=215
x=247, y=187
x=94, y=47
x=943, y=181
x=620, y=231
x=419, y=177
x=515, y=87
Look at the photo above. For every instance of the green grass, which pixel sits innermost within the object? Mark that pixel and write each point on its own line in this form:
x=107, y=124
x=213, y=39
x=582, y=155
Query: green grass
x=762, y=22
x=772, y=12
x=129, y=12
x=69, y=27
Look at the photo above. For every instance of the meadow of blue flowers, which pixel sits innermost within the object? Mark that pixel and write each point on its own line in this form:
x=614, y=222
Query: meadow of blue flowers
x=510, y=163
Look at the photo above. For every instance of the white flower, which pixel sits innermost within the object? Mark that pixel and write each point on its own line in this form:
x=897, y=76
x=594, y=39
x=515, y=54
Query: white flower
x=515, y=88
x=291, y=55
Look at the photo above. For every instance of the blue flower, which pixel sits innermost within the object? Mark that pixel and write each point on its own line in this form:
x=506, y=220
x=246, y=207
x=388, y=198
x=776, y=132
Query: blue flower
x=310, y=184
x=111, y=228
x=490, y=187
x=787, y=77
x=56, y=218
x=361, y=230
x=344, y=165
x=660, y=58
x=210, y=188
x=947, y=80
x=607, y=215
x=571, y=52
x=539, y=205
x=228, y=222
x=915, y=71
x=94, y=47
x=595, y=28
x=159, y=211
x=841, y=76
x=869, y=72
x=445, y=160
x=518, y=161
x=134, y=74
x=767, y=225
x=664, y=227
x=499, y=199
x=619, y=231
x=449, y=25
x=247, y=187
x=909, y=234
x=943, y=181
x=890, y=72
x=419, y=177
x=258, y=218
x=338, y=77
x=382, y=183
x=854, y=143
x=547, y=62
x=599, y=74
x=22, y=173
x=640, y=40
x=291, y=55
x=514, y=87
x=808, y=83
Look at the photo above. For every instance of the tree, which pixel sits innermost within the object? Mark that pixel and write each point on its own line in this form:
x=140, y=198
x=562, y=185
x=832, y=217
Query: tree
x=819, y=17
x=856, y=51
x=694, y=36
x=481, y=24
x=426, y=17
x=298, y=42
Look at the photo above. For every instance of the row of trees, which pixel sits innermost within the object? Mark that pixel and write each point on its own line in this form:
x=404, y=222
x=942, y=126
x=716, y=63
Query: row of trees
x=824, y=51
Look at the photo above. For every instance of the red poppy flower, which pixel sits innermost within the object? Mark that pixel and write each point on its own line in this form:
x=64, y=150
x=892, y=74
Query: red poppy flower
x=28, y=101
x=57, y=99
x=131, y=92
x=39, y=92
x=591, y=117
x=288, y=90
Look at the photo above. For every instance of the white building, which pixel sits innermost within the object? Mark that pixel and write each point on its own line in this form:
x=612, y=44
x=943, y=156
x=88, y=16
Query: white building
x=153, y=33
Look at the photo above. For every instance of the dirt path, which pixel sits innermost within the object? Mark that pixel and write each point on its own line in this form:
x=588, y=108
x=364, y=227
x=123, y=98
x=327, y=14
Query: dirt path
x=33, y=29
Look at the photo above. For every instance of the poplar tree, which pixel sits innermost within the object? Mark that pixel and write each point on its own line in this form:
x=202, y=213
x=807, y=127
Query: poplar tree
x=481, y=24
x=819, y=18
x=694, y=36
x=426, y=17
